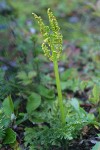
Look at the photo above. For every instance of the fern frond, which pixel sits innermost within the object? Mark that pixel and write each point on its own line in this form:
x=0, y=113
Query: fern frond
x=52, y=43
x=2, y=132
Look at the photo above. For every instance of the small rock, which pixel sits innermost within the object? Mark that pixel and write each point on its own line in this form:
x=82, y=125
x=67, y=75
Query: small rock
x=73, y=19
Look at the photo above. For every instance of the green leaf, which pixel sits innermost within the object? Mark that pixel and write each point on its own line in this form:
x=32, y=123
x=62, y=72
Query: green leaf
x=96, y=91
x=74, y=102
x=95, y=98
x=22, y=75
x=8, y=106
x=83, y=85
x=47, y=93
x=98, y=135
x=92, y=100
x=63, y=85
x=32, y=74
x=68, y=74
x=97, y=146
x=22, y=117
x=90, y=117
x=66, y=84
x=10, y=136
x=26, y=82
x=33, y=103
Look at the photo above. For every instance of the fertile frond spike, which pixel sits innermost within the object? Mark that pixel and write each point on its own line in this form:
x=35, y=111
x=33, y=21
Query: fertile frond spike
x=52, y=47
x=51, y=35
x=35, y=15
x=46, y=51
x=41, y=24
x=53, y=21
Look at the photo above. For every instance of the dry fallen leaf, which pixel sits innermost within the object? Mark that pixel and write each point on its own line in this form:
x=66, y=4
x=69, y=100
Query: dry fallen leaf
x=85, y=130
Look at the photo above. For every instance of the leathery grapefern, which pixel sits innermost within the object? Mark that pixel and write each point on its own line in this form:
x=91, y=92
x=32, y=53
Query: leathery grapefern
x=52, y=44
x=52, y=47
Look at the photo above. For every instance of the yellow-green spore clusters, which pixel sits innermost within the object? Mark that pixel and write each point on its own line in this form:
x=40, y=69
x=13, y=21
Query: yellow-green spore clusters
x=52, y=44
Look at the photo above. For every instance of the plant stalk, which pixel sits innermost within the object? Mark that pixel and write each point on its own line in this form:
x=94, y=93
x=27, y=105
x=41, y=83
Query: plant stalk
x=59, y=91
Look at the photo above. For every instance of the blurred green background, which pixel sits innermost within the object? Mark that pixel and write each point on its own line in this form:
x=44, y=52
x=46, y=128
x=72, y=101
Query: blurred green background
x=79, y=21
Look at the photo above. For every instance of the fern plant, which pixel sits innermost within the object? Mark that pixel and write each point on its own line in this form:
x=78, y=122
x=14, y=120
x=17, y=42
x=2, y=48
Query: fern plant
x=57, y=132
x=52, y=47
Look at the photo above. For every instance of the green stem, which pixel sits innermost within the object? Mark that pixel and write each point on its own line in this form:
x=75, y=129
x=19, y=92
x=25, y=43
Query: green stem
x=59, y=90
